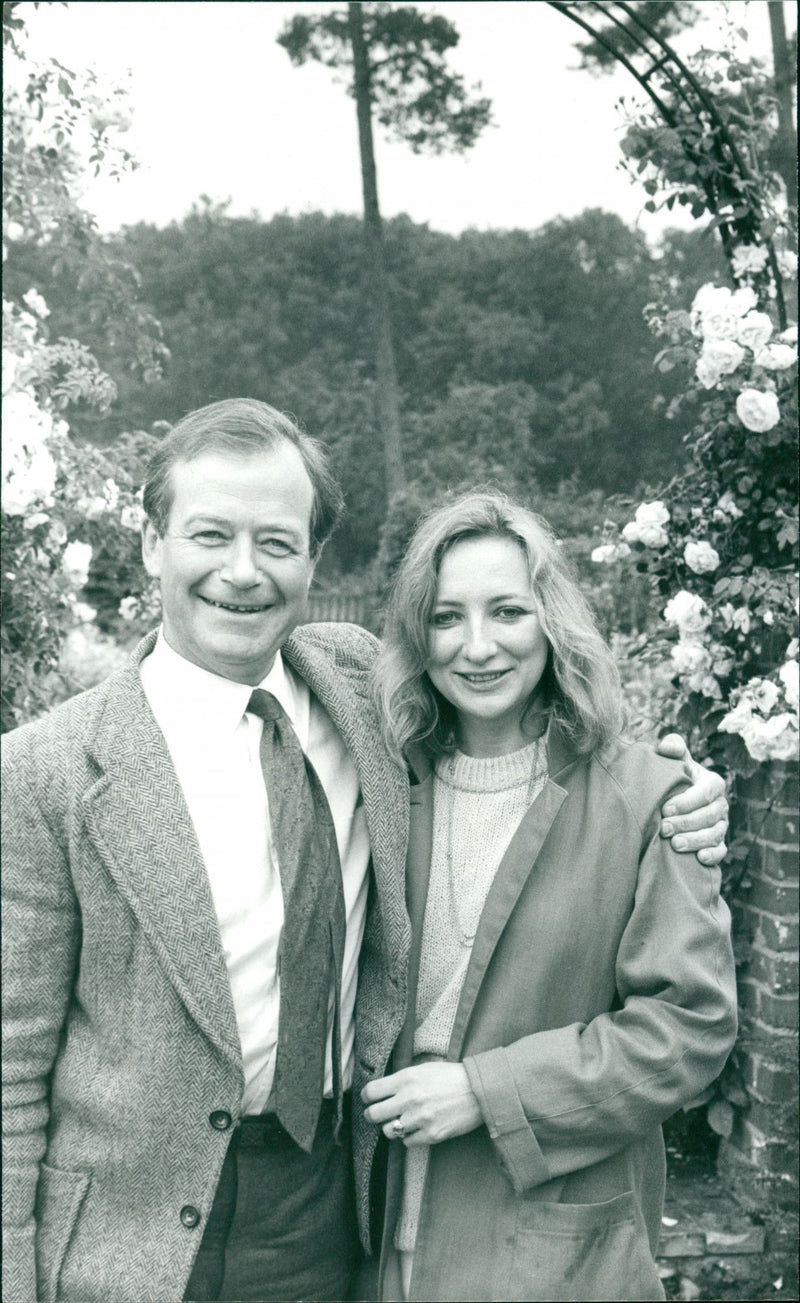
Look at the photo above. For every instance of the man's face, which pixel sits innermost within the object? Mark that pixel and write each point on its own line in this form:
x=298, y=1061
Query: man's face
x=234, y=562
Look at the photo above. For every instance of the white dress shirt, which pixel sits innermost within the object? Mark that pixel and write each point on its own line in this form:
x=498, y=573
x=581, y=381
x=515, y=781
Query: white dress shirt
x=214, y=746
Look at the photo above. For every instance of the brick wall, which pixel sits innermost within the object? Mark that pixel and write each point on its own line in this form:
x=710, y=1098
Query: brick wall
x=759, y=1159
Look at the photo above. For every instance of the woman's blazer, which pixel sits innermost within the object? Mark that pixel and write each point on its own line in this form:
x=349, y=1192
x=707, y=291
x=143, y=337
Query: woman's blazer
x=599, y=997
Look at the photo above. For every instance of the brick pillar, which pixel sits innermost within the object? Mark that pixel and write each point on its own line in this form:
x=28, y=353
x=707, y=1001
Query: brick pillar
x=759, y=1159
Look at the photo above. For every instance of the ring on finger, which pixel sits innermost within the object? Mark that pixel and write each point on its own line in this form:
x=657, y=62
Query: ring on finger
x=398, y=1129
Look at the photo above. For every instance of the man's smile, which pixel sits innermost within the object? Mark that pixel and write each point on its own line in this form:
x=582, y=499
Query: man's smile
x=237, y=608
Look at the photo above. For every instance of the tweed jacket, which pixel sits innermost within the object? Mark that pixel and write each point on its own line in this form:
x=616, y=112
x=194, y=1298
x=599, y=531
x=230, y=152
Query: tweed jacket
x=120, y=1038
x=599, y=997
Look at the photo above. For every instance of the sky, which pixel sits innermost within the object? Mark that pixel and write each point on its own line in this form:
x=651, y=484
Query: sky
x=218, y=110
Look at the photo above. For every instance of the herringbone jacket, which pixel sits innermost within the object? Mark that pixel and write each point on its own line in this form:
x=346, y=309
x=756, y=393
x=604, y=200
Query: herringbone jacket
x=120, y=1037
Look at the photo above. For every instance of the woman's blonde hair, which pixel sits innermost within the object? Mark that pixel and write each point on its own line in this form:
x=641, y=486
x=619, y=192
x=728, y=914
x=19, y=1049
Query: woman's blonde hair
x=580, y=688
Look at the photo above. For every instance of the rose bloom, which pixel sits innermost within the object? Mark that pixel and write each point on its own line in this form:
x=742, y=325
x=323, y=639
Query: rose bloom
x=776, y=357
x=748, y=258
x=720, y=357
x=772, y=739
x=758, y=410
x=754, y=330
x=75, y=563
x=128, y=608
x=132, y=517
x=700, y=557
x=688, y=611
x=705, y=684
x=765, y=694
x=716, y=311
x=36, y=303
x=652, y=513
x=653, y=536
x=690, y=657
x=789, y=335
x=726, y=508
x=789, y=675
x=787, y=264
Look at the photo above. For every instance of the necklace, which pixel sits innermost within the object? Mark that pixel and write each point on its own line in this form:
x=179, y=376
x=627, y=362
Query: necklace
x=536, y=780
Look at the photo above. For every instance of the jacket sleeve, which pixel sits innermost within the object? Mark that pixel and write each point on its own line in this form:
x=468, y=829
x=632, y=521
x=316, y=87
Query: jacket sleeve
x=40, y=943
x=566, y=1098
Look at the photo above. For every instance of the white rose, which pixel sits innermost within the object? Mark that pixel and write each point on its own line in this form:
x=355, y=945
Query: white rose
x=75, y=563
x=765, y=694
x=705, y=684
x=789, y=335
x=630, y=532
x=787, y=264
x=740, y=619
x=84, y=613
x=726, y=508
x=38, y=518
x=36, y=303
x=605, y=554
x=776, y=357
x=738, y=719
x=789, y=674
x=771, y=739
x=688, y=611
x=652, y=513
x=758, y=410
x=653, y=536
x=720, y=357
x=723, y=662
x=128, y=608
x=700, y=557
x=748, y=259
x=754, y=330
x=132, y=517
x=690, y=657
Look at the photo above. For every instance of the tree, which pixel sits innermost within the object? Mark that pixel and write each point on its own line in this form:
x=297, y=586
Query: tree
x=394, y=58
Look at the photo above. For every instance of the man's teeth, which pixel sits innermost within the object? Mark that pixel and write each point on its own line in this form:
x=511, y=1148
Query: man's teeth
x=243, y=610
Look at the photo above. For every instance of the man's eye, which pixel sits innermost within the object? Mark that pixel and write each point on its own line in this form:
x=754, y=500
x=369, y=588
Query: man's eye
x=275, y=546
x=209, y=536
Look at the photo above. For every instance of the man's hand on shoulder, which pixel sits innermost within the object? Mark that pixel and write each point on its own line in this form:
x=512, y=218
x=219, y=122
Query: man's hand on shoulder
x=697, y=820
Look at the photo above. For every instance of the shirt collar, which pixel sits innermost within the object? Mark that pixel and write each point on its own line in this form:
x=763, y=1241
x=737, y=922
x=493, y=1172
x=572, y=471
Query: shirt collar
x=193, y=692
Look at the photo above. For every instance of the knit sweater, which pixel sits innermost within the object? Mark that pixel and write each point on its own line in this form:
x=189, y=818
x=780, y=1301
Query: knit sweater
x=478, y=803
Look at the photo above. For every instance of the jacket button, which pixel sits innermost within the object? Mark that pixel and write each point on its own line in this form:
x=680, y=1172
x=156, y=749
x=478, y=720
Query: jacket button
x=189, y=1216
x=220, y=1120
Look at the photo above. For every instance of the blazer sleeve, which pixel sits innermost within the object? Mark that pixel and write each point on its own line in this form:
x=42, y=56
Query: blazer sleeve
x=566, y=1098
x=41, y=930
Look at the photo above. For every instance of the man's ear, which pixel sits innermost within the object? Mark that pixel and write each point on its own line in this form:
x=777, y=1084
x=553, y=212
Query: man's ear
x=152, y=543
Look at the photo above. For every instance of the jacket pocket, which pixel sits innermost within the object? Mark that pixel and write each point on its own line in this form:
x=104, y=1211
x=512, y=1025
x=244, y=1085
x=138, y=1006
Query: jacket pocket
x=590, y=1251
x=59, y=1199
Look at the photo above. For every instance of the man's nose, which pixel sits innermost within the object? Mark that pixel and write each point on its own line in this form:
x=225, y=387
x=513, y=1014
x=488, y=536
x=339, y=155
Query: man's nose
x=241, y=564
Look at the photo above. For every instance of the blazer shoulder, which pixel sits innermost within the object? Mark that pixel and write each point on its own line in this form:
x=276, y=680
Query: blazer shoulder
x=643, y=778
x=348, y=646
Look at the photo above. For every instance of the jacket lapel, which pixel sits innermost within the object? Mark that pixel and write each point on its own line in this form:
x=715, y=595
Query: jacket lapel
x=137, y=817
x=417, y=877
x=513, y=872
x=342, y=690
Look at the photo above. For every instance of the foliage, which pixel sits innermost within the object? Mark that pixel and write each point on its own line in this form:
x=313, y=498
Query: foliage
x=414, y=94
x=62, y=501
x=663, y=18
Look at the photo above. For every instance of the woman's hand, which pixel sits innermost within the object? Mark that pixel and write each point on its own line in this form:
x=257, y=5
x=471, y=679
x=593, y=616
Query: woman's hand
x=431, y=1101
x=697, y=820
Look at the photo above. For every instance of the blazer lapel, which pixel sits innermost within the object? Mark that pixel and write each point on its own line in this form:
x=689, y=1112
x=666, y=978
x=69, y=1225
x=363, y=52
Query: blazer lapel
x=137, y=817
x=417, y=878
x=384, y=786
x=514, y=870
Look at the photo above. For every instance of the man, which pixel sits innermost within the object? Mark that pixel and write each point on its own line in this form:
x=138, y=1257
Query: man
x=188, y=892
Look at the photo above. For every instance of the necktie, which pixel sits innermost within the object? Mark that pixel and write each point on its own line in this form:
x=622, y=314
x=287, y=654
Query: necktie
x=311, y=948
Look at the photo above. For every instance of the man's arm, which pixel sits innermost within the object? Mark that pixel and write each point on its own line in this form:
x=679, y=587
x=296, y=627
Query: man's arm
x=40, y=943
x=697, y=820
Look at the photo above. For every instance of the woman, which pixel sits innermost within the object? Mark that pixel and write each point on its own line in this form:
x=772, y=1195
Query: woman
x=572, y=980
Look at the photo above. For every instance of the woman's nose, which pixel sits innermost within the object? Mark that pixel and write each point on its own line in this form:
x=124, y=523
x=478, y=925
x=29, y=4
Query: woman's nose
x=240, y=566
x=479, y=644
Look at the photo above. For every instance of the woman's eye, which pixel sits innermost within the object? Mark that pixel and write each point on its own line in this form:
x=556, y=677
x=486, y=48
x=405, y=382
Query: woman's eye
x=509, y=613
x=443, y=619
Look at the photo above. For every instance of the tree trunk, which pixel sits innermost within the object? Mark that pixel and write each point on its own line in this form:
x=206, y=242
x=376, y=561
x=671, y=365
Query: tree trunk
x=787, y=140
x=388, y=401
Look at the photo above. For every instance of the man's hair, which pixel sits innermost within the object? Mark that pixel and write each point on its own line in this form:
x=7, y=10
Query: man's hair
x=580, y=686
x=244, y=426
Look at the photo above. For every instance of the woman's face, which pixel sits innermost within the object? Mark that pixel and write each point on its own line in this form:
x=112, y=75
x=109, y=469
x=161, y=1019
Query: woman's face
x=487, y=648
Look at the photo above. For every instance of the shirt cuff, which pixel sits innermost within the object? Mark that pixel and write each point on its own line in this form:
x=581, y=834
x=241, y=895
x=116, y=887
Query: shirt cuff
x=493, y=1085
